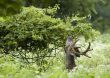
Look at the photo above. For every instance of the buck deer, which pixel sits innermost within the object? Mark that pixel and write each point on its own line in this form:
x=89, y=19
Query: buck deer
x=72, y=51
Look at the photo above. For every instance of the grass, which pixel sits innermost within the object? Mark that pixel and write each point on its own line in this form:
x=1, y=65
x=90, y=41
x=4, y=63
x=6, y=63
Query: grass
x=98, y=66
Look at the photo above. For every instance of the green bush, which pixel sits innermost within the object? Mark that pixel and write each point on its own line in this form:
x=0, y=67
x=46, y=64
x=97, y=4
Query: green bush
x=32, y=29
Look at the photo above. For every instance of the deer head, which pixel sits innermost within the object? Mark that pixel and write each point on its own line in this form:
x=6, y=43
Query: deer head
x=74, y=50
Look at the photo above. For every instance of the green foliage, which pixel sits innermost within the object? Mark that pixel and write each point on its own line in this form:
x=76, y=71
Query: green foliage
x=34, y=36
x=94, y=67
x=12, y=67
x=67, y=7
x=97, y=66
x=33, y=25
x=101, y=19
x=9, y=7
x=73, y=7
x=32, y=28
x=82, y=28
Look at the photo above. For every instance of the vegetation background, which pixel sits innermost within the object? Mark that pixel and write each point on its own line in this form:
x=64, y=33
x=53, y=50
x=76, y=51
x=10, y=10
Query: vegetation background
x=33, y=35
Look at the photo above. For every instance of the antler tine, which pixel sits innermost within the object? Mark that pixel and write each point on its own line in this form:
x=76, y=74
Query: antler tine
x=76, y=41
x=88, y=48
x=87, y=55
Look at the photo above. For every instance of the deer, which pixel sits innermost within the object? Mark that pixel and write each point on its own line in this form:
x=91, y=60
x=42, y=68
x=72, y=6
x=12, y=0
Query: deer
x=72, y=52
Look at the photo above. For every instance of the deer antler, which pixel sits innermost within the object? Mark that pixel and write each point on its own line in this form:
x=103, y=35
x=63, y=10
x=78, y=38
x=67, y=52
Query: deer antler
x=75, y=42
x=74, y=50
x=85, y=52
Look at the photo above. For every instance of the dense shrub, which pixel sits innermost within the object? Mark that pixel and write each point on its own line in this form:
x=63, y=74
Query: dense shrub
x=32, y=28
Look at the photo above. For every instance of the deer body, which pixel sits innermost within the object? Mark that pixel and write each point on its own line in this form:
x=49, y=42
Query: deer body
x=72, y=52
x=70, y=61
